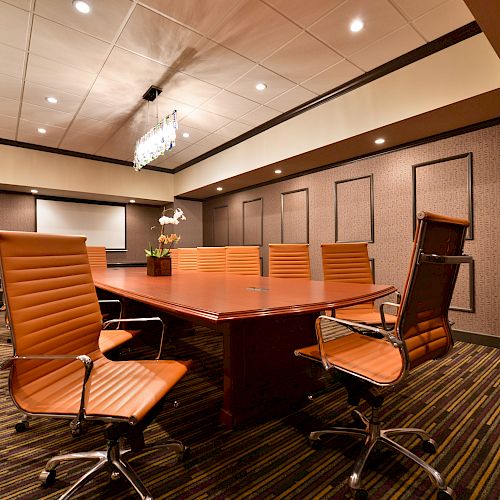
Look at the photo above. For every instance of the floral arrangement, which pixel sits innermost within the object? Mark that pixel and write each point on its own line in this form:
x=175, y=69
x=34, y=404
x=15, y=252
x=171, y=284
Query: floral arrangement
x=165, y=241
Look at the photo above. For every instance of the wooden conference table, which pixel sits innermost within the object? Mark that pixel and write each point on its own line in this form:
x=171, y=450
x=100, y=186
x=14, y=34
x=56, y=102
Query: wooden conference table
x=262, y=321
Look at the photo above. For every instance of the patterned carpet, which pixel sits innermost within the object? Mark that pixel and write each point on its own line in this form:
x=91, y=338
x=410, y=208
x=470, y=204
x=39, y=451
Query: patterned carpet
x=455, y=399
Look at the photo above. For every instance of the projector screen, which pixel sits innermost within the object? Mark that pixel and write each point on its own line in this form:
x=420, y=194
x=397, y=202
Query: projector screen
x=104, y=225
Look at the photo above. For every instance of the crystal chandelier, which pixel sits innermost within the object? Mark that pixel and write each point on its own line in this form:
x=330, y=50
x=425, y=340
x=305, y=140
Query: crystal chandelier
x=156, y=141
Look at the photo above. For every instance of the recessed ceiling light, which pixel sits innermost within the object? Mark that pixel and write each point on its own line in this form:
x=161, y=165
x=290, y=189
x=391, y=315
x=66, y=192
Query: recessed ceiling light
x=380, y=140
x=34, y=191
x=132, y=201
x=219, y=189
x=81, y=6
x=278, y=171
x=41, y=130
x=357, y=25
x=51, y=100
x=185, y=134
x=261, y=86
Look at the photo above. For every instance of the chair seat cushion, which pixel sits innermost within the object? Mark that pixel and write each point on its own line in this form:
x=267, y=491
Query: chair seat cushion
x=111, y=339
x=122, y=389
x=374, y=359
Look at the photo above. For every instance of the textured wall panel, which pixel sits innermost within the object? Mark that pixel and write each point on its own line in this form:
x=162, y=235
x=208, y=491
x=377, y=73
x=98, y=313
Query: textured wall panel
x=354, y=210
x=252, y=222
x=295, y=216
x=464, y=294
x=444, y=186
x=393, y=216
x=17, y=211
x=221, y=226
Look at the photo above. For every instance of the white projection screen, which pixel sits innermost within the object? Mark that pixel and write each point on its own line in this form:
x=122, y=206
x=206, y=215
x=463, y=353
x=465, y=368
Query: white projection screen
x=104, y=225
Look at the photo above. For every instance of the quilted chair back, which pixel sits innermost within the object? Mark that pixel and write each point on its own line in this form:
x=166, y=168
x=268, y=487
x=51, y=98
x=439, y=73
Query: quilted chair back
x=243, y=260
x=212, y=259
x=97, y=257
x=423, y=316
x=289, y=261
x=52, y=302
x=187, y=259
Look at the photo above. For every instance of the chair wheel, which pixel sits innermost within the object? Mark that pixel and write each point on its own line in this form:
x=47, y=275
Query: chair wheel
x=184, y=455
x=115, y=475
x=47, y=477
x=22, y=426
x=446, y=494
x=315, y=444
x=360, y=495
x=429, y=447
x=76, y=429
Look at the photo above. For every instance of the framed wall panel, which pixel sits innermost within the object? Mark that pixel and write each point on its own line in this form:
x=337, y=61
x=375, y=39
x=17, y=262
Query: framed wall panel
x=372, y=267
x=220, y=221
x=295, y=216
x=464, y=294
x=444, y=186
x=253, y=212
x=354, y=219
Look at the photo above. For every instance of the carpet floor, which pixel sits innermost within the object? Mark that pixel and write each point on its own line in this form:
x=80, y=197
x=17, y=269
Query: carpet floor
x=455, y=399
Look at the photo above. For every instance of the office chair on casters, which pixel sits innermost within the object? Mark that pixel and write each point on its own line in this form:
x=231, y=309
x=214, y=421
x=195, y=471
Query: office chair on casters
x=58, y=370
x=421, y=333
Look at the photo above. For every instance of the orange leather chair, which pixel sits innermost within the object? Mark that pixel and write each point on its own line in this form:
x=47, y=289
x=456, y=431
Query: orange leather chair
x=211, y=259
x=58, y=370
x=97, y=257
x=243, y=260
x=421, y=333
x=289, y=261
x=349, y=262
x=187, y=259
x=174, y=256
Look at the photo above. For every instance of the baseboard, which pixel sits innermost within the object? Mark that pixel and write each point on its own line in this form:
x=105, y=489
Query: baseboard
x=476, y=338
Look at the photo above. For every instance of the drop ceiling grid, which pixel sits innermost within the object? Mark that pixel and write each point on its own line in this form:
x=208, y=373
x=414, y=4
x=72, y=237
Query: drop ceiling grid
x=298, y=48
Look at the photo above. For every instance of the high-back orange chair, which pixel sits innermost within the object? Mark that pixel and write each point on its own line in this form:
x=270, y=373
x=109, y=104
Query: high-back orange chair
x=58, y=370
x=174, y=256
x=421, y=333
x=349, y=262
x=243, y=260
x=97, y=257
x=187, y=259
x=211, y=259
x=289, y=260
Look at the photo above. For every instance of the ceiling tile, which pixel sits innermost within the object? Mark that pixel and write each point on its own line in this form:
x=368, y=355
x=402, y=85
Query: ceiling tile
x=10, y=87
x=90, y=127
x=145, y=28
x=28, y=133
x=234, y=129
x=36, y=94
x=204, y=120
x=13, y=26
x=389, y=47
x=78, y=141
x=379, y=16
x=414, y=9
x=22, y=4
x=8, y=126
x=169, y=163
x=265, y=30
x=204, y=17
x=304, y=13
x=259, y=116
x=332, y=77
x=118, y=93
x=191, y=152
x=301, y=58
x=291, y=98
x=39, y=114
x=206, y=64
x=212, y=141
x=103, y=22
x=139, y=72
x=194, y=134
x=245, y=86
x=9, y=107
x=67, y=46
x=230, y=105
x=189, y=90
x=166, y=106
x=93, y=108
x=58, y=76
x=445, y=18
x=121, y=145
x=12, y=61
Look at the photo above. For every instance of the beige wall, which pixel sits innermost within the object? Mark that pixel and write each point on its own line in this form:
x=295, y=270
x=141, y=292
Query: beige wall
x=392, y=183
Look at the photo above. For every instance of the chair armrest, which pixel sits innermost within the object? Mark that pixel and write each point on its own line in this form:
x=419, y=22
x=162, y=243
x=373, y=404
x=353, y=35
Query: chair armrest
x=143, y=320
x=113, y=301
x=382, y=312
x=88, y=365
x=432, y=258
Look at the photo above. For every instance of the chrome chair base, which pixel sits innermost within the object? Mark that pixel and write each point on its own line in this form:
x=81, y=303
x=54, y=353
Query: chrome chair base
x=113, y=458
x=373, y=434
